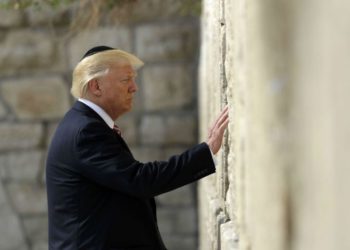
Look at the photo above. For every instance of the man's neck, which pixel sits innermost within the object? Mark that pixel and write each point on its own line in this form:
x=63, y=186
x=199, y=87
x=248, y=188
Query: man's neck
x=99, y=110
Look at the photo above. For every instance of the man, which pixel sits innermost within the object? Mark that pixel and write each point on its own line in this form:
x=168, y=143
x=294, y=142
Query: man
x=99, y=196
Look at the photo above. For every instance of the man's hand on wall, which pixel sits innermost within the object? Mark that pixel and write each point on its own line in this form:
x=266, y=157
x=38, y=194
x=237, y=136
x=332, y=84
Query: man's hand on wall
x=216, y=133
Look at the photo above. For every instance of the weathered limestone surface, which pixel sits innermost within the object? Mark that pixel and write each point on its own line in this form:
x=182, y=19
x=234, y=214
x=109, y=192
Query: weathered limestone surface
x=181, y=220
x=167, y=42
x=228, y=238
x=184, y=242
x=147, y=153
x=10, y=18
x=26, y=49
x=116, y=37
x=171, y=92
x=156, y=129
x=11, y=235
x=3, y=111
x=28, y=198
x=161, y=9
x=21, y=166
x=129, y=129
x=36, y=230
x=281, y=175
x=183, y=196
x=36, y=98
x=19, y=136
x=46, y=16
x=321, y=126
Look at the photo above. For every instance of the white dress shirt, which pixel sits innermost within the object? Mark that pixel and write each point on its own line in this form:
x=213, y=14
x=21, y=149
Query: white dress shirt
x=99, y=111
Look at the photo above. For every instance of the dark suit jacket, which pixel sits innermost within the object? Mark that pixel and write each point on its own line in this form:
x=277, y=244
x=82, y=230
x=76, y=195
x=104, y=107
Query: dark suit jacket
x=99, y=196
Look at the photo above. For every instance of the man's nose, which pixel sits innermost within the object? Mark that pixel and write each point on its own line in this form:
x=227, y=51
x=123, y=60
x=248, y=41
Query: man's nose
x=133, y=87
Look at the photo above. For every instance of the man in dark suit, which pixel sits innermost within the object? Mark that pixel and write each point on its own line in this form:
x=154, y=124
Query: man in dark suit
x=99, y=196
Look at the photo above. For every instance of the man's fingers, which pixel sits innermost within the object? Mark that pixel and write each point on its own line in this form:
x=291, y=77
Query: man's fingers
x=225, y=110
x=217, y=131
x=222, y=118
x=219, y=121
x=224, y=125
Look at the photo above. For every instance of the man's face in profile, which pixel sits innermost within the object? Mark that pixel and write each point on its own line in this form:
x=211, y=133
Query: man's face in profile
x=117, y=89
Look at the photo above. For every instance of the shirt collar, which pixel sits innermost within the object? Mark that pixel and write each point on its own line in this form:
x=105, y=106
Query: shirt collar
x=99, y=111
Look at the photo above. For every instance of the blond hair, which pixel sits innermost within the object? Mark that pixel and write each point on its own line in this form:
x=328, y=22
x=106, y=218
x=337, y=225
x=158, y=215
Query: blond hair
x=97, y=65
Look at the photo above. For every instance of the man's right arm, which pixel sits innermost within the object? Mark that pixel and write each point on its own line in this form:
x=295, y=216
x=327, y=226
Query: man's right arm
x=104, y=160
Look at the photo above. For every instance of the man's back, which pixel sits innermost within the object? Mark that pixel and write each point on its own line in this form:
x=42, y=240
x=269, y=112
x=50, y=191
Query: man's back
x=84, y=214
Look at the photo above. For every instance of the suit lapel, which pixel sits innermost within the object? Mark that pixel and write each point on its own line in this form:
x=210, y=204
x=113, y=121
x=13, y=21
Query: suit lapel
x=81, y=107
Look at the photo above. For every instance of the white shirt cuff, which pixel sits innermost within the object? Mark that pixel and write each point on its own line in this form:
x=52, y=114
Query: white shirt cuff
x=213, y=157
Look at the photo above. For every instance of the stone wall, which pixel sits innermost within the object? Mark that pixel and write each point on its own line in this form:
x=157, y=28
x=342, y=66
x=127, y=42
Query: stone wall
x=282, y=176
x=38, y=53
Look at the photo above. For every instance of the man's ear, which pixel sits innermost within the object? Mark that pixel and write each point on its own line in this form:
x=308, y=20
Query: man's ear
x=94, y=87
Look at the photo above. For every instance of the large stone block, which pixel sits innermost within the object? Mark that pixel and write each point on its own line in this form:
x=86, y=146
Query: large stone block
x=153, y=129
x=180, y=242
x=36, y=98
x=42, y=245
x=129, y=129
x=183, y=196
x=177, y=221
x=147, y=154
x=28, y=198
x=228, y=237
x=11, y=236
x=137, y=106
x=167, y=87
x=19, y=136
x=166, y=218
x=167, y=42
x=168, y=130
x=214, y=209
x=3, y=111
x=47, y=15
x=187, y=221
x=36, y=229
x=116, y=37
x=3, y=197
x=3, y=175
x=170, y=151
x=26, y=49
x=21, y=165
x=151, y=10
x=10, y=18
x=181, y=129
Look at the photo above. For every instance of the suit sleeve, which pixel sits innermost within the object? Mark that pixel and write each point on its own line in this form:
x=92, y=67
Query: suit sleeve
x=102, y=159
